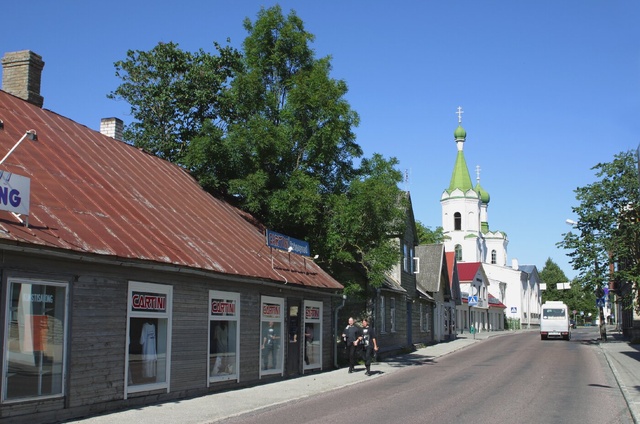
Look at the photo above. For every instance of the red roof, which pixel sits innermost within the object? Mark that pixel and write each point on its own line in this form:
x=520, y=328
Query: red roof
x=467, y=270
x=91, y=194
x=451, y=259
x=495, y=303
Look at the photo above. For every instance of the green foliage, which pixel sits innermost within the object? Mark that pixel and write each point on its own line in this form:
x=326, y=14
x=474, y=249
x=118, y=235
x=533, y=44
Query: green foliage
x=428, y=236
x=605, y=242
x=268, y=129
x=172, y=94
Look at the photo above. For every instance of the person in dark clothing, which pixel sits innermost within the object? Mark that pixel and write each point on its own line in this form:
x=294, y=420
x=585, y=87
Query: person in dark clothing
x=370, y=344
x=351, y=336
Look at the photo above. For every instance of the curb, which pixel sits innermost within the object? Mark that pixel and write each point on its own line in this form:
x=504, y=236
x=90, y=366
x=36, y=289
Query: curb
x=621, y=386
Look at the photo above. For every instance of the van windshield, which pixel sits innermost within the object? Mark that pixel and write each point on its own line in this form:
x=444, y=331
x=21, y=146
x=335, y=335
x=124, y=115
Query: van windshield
x=553, y=313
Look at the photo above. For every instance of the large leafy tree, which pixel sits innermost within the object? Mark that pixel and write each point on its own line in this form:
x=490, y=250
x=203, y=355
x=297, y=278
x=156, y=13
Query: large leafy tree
x=293, y=133
x=604, y=244
x=269, y=129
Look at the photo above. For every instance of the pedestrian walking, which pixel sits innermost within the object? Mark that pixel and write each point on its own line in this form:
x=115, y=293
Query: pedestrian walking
x=351, y=336
x=370, y=344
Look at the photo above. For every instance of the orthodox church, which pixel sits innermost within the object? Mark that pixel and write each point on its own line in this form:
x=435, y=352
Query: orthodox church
x=465, y=226
x=464, y=214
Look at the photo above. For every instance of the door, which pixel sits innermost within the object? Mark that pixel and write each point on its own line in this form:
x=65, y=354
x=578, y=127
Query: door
x=294, y=337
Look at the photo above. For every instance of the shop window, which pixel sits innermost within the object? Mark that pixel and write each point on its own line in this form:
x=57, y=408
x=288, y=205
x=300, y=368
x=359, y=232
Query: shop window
x=149, y=336
x=312, y=334
x=224, y=313
x=34, y=342
x=271, y=328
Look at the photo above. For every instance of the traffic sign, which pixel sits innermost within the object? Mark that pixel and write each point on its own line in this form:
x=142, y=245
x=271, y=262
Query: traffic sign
x=473, y=300
x=600, y=302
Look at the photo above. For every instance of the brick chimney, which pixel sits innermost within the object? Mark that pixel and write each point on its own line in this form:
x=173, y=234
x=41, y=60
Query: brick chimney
x=21, y=75
x=112, y=127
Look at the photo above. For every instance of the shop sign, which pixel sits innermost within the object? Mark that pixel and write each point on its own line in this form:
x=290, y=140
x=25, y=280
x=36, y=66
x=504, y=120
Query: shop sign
x=222, y=307
x=271, y=310
x=148, y=302
x=312, y=313
x=14, y=193
x=282, y=242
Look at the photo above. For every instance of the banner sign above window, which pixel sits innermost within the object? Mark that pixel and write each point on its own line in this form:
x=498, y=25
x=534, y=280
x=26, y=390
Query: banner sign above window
x=282, y=242
x=149, y=302
x=223, y=307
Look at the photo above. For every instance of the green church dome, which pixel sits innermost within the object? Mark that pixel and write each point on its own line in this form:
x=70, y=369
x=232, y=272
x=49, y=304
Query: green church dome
x=460, y=133
x=482, y=193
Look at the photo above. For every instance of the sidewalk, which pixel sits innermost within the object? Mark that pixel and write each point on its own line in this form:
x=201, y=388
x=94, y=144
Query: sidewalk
x=623, y=359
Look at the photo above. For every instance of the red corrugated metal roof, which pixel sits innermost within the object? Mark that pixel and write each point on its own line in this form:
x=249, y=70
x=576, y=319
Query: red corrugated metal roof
x=95, y=195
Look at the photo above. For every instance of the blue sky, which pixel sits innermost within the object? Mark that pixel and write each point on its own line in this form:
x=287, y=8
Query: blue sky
x=549, y=88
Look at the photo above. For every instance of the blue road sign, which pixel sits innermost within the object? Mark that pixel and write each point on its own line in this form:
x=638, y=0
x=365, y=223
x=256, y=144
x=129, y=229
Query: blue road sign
x=473, y=300
x=600, y=302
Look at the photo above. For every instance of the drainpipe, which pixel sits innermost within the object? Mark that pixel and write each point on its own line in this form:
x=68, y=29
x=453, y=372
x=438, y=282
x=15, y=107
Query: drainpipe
x=335, y=342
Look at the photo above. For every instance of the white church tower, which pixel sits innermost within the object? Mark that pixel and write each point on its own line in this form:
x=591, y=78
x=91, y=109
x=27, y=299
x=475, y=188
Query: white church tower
x=464, y=214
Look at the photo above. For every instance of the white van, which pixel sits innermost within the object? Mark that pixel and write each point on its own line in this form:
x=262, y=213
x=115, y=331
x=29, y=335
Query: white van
x=555, y=321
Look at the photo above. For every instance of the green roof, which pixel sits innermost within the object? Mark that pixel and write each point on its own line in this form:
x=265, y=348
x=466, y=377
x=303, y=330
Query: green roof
x=482, y=193
x=460, y=177
x=460, y=133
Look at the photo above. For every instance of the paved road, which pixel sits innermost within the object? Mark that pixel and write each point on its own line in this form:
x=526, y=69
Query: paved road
x=508, y=379
x=622, y=358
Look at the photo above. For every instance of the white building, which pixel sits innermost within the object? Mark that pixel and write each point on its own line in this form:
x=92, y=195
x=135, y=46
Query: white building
x=466, y=232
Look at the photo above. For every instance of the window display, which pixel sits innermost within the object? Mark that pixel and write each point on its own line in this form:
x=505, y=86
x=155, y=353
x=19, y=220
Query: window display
x=35, y=339
x=148, y=333
x=271, y=355
x=223, y=335
x=312, y=334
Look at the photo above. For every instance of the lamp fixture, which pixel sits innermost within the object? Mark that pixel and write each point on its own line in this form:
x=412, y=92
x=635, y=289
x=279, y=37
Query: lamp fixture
x=31, y=134
x=290, y=249
x=1, y=124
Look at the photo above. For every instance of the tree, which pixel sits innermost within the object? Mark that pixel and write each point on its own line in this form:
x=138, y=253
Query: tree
x=604, y=245
x=551, y=274
x=577, y=298
x=268, y=129
x=172, y=94
x=428, y=236
x=293, y=135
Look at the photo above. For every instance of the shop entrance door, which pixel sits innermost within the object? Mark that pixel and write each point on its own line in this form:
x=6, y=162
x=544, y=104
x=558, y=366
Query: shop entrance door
x=294, y=337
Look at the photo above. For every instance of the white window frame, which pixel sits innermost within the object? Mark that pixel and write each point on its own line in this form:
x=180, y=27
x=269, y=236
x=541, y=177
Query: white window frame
x=162, y=289
x=234, y=316
x=7, y=321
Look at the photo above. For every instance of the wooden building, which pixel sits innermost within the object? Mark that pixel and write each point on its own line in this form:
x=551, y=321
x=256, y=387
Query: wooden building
x=124, y=283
